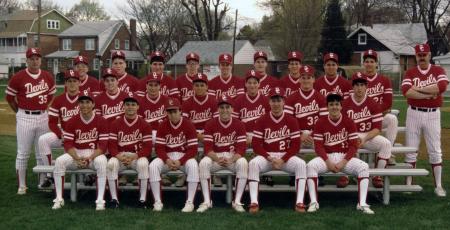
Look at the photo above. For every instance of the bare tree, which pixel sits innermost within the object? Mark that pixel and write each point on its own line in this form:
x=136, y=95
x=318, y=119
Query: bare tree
x=88, y=10
x=45, y=5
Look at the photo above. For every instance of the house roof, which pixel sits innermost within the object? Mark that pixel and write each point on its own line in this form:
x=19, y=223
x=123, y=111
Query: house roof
x=132, y=54
x=209, y=51
x=399, y=38
x=63, y=54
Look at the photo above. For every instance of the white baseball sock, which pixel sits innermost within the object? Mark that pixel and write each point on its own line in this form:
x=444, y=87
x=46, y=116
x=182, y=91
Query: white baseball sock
x=206, y=190
x=156, y=190
x=192, y=188
x=437, y=174
x=381, y=164
x=101, y=184
x=363, y=185
x=21, y=174
x=253, y=187
x=240, y=187
x=143, y=189
x=312, y=188
x=300, y=185
x=113, y=189
x=59, y=187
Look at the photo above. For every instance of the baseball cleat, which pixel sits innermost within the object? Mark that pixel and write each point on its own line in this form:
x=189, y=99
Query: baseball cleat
x=22, y=191
x=99, y=205
x=188, y=207
x=142, y=204
x=114, y=204
x=204, y=206
x=158, y=206
x=180, y=181
x=253, y=208
x=48, y=181
x=377, y=182
x=57, y=204
x=342, y=182
x=300, y=208
x=313, y=207
x=238, y=207
x=440, y=192
x=217, y=181
x=365, y=209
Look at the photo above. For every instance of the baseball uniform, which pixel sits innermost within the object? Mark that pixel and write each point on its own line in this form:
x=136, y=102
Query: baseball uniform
x=231, y=87
x=127, y=83
x=290, y=84
x=168, y=88
x=248, y=109
x=200, y=109
x=266, y=83
x=307, y=107
x=326, y=85
x=153, y=111
x=90, y=85
x=108, y=106
x=184, y=83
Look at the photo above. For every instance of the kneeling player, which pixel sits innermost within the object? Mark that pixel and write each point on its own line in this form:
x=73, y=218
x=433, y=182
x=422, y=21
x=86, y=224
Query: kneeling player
x=225, y=145
x=85, y=141
x=130, y=144
x=336, y=142
x=276, y=142
x=176, y=148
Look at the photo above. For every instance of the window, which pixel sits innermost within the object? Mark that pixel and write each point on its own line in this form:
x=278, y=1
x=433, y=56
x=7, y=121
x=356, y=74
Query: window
x=89, y=44
x=96, y=64
x=53, y=24
x=67, y=44
x=127, y=44
x=117, y=44
x=362, y=39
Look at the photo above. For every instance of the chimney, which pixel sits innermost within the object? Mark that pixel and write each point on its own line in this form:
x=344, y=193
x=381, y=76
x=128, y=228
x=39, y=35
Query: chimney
x=133, y=35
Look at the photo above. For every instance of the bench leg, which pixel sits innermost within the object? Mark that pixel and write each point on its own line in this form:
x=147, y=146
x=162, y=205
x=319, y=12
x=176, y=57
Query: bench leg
x=386, y=190
x=73, y=187
x=229, y=189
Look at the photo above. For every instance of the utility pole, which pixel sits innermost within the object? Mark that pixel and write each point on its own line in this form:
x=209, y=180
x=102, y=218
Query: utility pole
x=234, y=38
x=38, y=43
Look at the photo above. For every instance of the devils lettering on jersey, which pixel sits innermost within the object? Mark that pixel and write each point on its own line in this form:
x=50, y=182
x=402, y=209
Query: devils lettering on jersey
x=35, y=90
x=86, y=137
x=129, y=139
x=331, y=139
x=247, y=115
x=276, y=135
x=66, y=113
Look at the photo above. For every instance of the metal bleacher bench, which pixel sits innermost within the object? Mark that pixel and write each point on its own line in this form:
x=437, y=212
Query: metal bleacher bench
x=399, y=170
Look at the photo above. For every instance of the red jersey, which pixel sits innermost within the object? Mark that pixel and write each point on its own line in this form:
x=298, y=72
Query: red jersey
x=266, y=84
x=90, y=85
x=335, y=137
x=127, y=83
x=220, y=137
x=200, y=110
x=153, y=111
x=379, y=88
x=307, y=107
x=249, y=109
x=184, y=83
x=276, y=135
x=231, y=87
x=168, y=86
x=82, y=134
x=180, y=138
x=108, y=106
x=62, y=109
x=290, y=84
x=366, y=114
x=33, y=91
x=423, y=78
x=127, y=135
x=339, y=85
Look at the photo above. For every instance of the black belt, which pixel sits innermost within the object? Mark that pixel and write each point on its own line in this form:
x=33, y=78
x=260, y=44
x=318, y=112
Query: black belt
x=29, y=112
x=424, y=109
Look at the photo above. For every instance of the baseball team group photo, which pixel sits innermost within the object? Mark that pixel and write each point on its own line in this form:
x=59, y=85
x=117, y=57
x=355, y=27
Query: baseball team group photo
x=110, y=131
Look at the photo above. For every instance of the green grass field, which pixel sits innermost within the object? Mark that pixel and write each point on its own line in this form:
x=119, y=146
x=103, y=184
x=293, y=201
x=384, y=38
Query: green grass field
x=33, y=211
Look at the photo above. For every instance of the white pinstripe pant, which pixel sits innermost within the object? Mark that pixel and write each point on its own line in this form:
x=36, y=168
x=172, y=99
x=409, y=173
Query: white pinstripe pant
x=46, y=143
x=114, y=166
x=66, y=161
x=378, y=144
x=259, y=164
x=390, y=122
x=240, y=167
x=354, y=166
x=157, y=166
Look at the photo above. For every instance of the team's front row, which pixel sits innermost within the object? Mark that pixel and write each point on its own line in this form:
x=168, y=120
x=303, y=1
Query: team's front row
x=276, y=143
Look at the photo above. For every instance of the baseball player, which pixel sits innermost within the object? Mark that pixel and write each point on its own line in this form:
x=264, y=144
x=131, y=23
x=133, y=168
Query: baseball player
x=266, y=82
x=226, y=84
x=126, y=82
x=331, y=82
x=276, y=142
x=109, y=103
x=29, y=93
x=336, y=142
x=367, y=115
x=168, y=86
x=176, y=148
x=85, y=141
x=423, y=87
x=291, y=82
x=225, y=145
x=64, y=107
x=87, y=83
x=184, y=82
x=130, y=146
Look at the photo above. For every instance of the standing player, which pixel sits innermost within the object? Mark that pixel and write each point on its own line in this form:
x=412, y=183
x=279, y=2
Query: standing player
x=126, y=82
x=226, y=84
x=276, y=141
x=184, y=82
x=64, y=107
x=266, y=82
x=130, y=146
x=331, y=82
x=379, y=88
x=109, y=104
x=87, y=83
x=85, y=141
x=224, y=149
x=291, y=82
x=176, y=148
x=168, y=86
x=29, y=93
x=366, y=114
x=423, y=87
x=336, y=142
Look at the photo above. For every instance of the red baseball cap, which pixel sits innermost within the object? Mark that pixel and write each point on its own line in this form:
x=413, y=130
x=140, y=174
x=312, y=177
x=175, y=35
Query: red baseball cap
x=370, y=53
x=157, y=56
x=224, y=99
x=307, y=69
x=422, y=48
x=108, y=72
x=172, y=103
x=192, y=56
x=131, y=98
x=85, y=95
x=358, y=75
x=225, y=58
x=118, y=54
x=71, y=74
x=153, y=77
x=295, y=55
x=200, y=77
x=81, y=59
x=330, y=56
x=260, y=54
x=252, y=74
x=276, y=91
x=33, y=51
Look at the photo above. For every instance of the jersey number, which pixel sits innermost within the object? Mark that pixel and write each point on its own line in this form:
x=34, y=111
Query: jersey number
x=363, y=126
x=312, y=120
x=92, y=145
x=42, y=99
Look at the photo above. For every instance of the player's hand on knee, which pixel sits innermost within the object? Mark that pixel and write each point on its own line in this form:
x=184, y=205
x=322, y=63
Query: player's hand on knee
x=330, y=166
x=341, y=165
